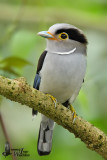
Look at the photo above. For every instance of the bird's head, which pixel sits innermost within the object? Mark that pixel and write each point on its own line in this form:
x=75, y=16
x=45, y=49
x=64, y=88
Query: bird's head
x=62, y=37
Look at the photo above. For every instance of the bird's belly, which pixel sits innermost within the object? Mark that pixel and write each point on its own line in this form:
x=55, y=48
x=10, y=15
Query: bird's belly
x=62, y=75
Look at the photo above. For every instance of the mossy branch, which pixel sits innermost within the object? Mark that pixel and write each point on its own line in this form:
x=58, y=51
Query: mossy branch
x=19, y=91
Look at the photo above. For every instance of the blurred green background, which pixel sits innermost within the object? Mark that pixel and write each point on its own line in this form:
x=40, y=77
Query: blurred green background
x=20, y=48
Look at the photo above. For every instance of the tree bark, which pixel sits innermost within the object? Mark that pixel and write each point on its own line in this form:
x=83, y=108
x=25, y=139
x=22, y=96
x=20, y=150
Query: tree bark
x=19, y=91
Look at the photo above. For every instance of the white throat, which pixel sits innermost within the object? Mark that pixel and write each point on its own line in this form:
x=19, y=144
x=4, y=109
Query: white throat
x=69, y=52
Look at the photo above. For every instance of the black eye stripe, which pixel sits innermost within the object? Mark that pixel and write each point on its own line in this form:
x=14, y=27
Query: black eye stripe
x=73, y=34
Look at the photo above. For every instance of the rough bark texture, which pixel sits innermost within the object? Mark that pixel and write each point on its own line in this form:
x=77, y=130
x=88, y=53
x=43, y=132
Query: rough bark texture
x=19, y=91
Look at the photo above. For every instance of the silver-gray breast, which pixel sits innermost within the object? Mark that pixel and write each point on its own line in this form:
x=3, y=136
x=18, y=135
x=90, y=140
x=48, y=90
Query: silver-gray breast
x=60, y=72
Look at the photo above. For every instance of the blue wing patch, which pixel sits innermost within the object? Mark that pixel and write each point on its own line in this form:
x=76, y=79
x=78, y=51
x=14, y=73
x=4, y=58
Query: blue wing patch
x=37, y=80
x=36, y=85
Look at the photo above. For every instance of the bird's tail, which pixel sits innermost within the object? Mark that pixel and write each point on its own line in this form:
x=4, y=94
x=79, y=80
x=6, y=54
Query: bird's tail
x=45, y=136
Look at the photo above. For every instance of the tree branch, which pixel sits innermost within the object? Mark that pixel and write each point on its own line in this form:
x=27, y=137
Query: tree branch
x=19, y=91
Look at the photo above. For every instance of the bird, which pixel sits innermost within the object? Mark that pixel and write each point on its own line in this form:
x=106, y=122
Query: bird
x=60, y=73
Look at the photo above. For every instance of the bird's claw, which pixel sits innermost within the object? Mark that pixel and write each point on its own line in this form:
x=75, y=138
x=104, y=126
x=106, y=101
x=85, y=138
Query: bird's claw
x=53, y=99
x=73, y=113
x=74, y=117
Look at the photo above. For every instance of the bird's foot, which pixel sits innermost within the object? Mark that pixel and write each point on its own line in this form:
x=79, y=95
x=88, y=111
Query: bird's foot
x=73, y=113
x=53, y=99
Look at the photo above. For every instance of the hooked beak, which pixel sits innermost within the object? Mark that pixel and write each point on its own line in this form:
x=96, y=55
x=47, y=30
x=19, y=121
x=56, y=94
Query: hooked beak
x=46, y=34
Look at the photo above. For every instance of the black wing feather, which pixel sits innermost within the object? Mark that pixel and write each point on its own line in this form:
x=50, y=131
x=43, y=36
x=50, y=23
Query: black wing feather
x=40, y=62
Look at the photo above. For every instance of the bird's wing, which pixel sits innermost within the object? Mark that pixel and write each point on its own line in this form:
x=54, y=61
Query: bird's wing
x=37, y=79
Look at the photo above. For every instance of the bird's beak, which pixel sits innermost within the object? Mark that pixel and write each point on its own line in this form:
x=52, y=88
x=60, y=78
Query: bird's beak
x=46, y=34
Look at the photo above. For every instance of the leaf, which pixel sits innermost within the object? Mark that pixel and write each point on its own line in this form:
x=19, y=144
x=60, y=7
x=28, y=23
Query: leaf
x=14, y=62
x=9, y=70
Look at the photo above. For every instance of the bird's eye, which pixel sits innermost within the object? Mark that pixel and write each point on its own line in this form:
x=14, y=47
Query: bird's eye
x=63, y=36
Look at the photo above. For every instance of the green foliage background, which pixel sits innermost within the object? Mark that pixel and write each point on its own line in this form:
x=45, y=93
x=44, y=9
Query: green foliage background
x=20, y=48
